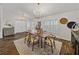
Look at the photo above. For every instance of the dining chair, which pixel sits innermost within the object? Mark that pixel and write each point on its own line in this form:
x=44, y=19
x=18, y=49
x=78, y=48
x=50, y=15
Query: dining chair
x=49, y=41
x=32, y=40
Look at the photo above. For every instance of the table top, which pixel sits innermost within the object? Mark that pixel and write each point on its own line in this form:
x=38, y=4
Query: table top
x=44, y=34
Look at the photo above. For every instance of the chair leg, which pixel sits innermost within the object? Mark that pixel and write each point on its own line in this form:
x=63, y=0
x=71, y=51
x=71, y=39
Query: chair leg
x=54, y=44
x=52, y=48
x=44, y=45
x=45, y=42
x=25, y=40
x=33, y=46
x=28, y=42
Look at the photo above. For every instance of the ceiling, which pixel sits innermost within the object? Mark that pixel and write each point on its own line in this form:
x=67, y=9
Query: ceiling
x=46, y=9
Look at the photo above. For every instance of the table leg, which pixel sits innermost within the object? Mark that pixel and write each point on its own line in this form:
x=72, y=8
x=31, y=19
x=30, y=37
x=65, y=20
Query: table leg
x=41, y=42
x=38, y=42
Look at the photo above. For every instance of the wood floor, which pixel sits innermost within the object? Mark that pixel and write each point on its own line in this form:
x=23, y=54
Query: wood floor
x=7, y=46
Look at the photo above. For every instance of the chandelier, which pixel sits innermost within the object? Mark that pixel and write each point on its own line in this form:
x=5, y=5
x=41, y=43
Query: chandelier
x=37, y=10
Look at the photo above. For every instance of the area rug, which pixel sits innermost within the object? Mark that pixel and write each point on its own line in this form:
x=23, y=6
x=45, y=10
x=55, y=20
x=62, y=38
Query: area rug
x=23, y=49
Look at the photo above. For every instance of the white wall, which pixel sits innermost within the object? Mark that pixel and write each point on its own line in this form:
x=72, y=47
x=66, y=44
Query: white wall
x=19, y=26
x=61, y=30
x=1, y=21
x=11, y=16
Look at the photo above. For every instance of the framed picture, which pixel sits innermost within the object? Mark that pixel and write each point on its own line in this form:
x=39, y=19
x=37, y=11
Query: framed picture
x=63, y=20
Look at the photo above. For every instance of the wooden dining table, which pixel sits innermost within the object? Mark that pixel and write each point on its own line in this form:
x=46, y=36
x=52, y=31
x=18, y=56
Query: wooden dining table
x=41, y=37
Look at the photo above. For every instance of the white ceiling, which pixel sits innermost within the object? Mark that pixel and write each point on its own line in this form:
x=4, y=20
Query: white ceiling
x=46, y=8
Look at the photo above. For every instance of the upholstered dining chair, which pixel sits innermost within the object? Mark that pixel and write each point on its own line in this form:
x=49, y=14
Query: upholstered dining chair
x=31, y=39
x=50, y=41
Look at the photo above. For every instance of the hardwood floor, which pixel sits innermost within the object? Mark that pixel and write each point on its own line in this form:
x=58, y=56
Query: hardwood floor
x=7, y=46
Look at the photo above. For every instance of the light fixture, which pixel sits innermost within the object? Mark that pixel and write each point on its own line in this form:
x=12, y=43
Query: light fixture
x=49, y=17
x=22, y=17
x=37, y=10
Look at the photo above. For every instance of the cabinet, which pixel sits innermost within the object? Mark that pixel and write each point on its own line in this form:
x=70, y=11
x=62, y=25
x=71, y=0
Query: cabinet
x=8, y=31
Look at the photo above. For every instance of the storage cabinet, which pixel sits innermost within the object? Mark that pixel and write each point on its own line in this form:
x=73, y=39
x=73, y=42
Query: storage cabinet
x=8, y=31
